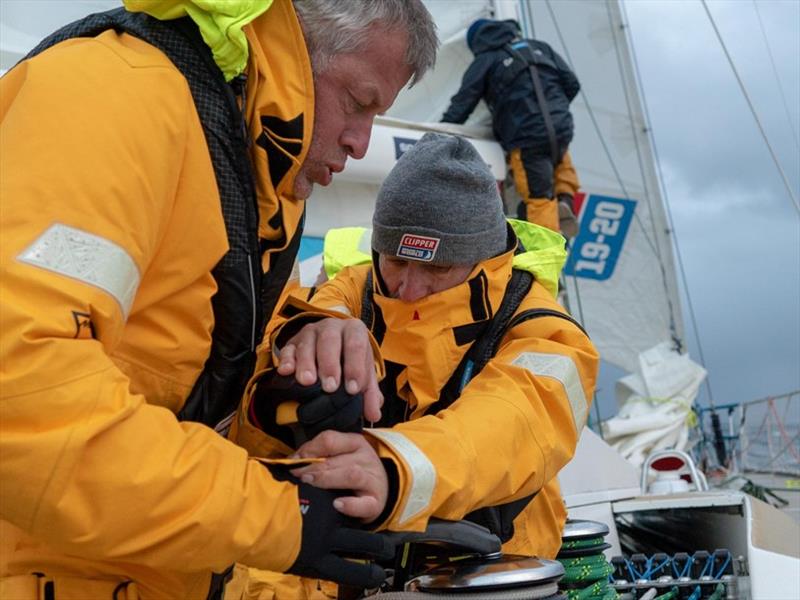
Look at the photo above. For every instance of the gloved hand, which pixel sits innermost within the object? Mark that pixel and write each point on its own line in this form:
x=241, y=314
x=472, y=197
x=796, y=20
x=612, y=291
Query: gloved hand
x=328, y=537
x=316, y=410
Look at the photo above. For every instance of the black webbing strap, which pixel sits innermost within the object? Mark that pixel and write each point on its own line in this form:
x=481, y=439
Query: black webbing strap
x=541, y=99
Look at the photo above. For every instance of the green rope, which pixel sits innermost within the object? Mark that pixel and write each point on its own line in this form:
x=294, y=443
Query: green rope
x=592, y=573
x=669, y=595
x=575, y=544
x=719, y=591
x=586, y=568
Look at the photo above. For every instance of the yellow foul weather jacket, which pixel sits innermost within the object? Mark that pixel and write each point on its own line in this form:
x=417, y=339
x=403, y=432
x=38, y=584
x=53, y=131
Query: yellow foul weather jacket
x=515, y=424
x=536, y=390
x=111, y=225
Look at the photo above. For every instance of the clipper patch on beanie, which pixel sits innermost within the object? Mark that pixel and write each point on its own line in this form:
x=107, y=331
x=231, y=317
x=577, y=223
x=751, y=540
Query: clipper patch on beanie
x=417, y=247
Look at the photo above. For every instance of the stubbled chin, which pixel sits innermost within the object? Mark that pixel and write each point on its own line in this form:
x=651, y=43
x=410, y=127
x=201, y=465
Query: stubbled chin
x=302, y=187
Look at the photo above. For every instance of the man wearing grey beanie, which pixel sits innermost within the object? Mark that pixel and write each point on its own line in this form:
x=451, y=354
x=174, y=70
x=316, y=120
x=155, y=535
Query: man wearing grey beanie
x=488, y=379
x=441, y=191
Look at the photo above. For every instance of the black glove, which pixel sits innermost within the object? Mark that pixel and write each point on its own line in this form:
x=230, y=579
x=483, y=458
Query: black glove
x=318, y=409
x=328, y=537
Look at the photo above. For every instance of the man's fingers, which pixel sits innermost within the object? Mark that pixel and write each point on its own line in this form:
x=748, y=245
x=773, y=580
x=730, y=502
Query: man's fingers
x=373, y=401
x=334, y=350
x=366, y=508
x=329, y=353
x=331, y=443
x=341, y=477
x=305, y=344
x=345, y=471
x=286, y=360
x=359, y=370
x=357, y=354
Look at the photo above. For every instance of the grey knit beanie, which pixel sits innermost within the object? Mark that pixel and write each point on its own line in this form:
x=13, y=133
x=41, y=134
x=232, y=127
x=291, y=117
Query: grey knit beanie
x=440, y=204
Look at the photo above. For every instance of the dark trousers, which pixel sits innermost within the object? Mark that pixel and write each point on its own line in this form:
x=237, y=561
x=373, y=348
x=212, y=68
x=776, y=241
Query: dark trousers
x=538, y=168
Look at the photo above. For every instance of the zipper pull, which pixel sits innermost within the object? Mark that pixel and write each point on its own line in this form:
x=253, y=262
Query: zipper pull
x=239, y=84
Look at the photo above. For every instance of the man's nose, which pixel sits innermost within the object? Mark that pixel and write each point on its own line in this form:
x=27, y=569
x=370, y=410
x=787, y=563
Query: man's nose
x=413, y=286
x=355, y=137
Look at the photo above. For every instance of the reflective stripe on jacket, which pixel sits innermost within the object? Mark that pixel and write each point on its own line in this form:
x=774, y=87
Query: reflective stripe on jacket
x=111, y=226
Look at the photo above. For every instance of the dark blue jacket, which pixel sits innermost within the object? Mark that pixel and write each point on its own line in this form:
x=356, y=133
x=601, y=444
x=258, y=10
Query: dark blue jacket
x=506, y=86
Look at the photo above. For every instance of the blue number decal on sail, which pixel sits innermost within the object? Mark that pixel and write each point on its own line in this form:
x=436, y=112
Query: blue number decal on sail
x=604, y=225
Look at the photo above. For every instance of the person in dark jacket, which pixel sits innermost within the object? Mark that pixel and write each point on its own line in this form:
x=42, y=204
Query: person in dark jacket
x=534, y=126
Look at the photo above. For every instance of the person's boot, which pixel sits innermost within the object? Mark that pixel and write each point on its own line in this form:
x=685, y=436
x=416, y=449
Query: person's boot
x=542, y=211
x=567, y=221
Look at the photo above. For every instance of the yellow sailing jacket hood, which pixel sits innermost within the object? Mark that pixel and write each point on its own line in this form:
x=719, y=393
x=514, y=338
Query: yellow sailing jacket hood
x=280, y=117
x=221, y=24
x=545, y=253
x=346, y=247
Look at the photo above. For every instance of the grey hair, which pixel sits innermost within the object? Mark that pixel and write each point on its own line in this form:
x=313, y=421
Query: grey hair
x=333, y=27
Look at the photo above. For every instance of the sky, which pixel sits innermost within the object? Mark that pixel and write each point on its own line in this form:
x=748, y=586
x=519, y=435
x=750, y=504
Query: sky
x=737, y=229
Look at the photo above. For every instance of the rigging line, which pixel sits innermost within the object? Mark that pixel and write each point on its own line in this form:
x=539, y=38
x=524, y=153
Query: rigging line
x=622, y=26
x=670, y=221
x=528, y=28
x=769, y=398
x=619, y=179
x=752, y=108
x=596, y=126
x=578, y=300
x=648, y=194
x=777, y=77
x=529, y=16
x=782, y=430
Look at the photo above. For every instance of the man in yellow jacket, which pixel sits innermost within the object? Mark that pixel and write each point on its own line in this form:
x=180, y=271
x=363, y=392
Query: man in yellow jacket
x=155, y=163
x=451, y=282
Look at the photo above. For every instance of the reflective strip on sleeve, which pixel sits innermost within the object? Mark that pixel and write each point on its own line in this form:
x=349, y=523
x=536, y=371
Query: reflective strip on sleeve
x=341, y=308
x=562, y=369
x=423, y=473
x=87, y=258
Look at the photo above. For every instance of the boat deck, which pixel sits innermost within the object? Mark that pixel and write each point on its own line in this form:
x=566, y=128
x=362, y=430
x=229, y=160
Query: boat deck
x=785, y=486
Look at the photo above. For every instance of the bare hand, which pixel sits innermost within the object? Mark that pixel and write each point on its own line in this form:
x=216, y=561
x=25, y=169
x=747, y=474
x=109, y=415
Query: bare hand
x=351, y=464
x=319, y=349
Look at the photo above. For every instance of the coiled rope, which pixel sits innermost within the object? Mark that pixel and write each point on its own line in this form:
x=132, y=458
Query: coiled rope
x=586, y=577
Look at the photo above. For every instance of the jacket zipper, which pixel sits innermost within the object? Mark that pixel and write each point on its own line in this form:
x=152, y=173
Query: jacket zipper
x=239, y=85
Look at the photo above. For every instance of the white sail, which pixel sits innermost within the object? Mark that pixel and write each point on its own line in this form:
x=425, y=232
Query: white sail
x=621, y=280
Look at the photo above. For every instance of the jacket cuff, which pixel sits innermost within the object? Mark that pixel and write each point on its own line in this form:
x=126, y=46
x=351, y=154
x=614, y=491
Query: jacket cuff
x=416, y=479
